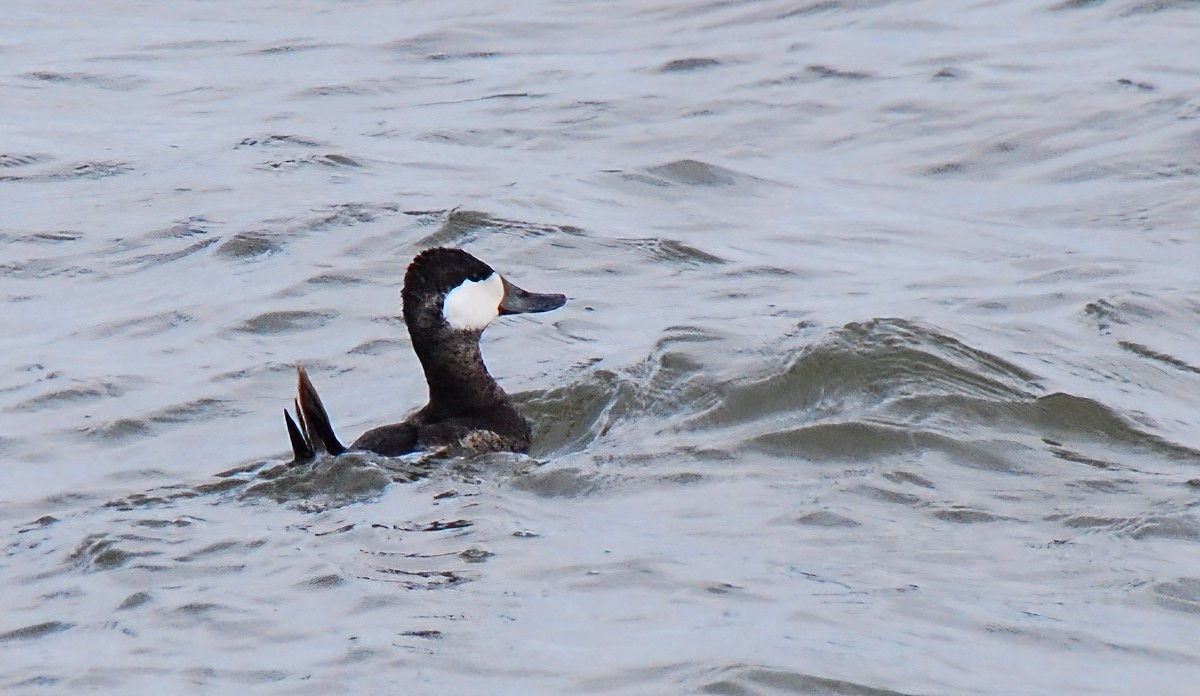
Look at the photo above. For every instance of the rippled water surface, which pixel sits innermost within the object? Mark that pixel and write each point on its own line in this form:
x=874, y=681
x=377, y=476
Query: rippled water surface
x=879, y=372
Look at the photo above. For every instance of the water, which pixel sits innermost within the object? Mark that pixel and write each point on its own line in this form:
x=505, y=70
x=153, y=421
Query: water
x=878, y=374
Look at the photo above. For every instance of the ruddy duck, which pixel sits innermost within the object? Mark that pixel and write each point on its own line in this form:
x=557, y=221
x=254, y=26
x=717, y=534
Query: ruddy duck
x=449, y=298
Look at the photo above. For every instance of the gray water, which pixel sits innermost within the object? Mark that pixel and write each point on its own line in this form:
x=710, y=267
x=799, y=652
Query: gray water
x=879, y=372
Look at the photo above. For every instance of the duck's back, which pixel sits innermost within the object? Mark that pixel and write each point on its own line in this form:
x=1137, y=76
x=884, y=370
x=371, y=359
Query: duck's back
x=502, y=430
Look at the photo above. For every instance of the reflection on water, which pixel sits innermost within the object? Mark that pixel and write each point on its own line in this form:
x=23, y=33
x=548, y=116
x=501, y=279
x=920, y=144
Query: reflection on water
x=877, y=375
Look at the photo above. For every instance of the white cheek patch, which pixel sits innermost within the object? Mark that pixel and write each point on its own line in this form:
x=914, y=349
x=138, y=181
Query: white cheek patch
x=474, y=304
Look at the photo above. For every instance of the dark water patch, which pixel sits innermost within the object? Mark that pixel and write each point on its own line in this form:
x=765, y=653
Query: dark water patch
x=1183, y=527
x=475, y=555
x=121, y=429
x=1076, y=5
x=333, y=481
x=1105, y=486
x=135, y=600
x=381, y=346
x=530, y=133
x=1182, y=594
x=761, y=681
x=467, y=55
x=1103, y=313
x=288, y=48
x=419, y=579
x=672, y=382
x=671, y=251
x=40, y=523
x=194, y=44
x=332, y=160
x=221, y=548
x=687, y=478
x=100, y=552
x=346, y=215
x=557, y=483
x=250, y=244
x=1070, y=455
x=963, y=391
x=823, y=6
x=279, y=140
x=204, y=409
x=36, y=269
x=864, y=365
x=459, y=227
x=909, y=478
x=761, y=271
x=336, y=160
x=200, y=608
x=354, y=89
x=147, y=260
x=35, y=631
x=437, y=526
x=858, y=441
x=142, y=327
x=40, y=681
x=70, y=397
x=1155, y=6
x=173, y=494
x=335, y=280
x=825, y=518
x=431, y=42
x=1061, y=414
x=1133, y=84
x=694, y=173
x=51, y=237
x=215, y=487
x=835, y=442
x=824, y=72
x=962, y=515
x=324, y=582
x=273, y=368
x=947, y=169
x=1151, y=354
x=283, y=322
x=195, y=226
x=9, y=160
x=163, y=524
x=121, y=83
x=688, y=65
x=84, y=170
x=885, y=495
x=641, y=178
x=1088, y=521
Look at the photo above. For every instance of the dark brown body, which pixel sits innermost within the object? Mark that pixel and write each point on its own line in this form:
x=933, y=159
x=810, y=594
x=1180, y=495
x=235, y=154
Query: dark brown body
x=466, y=408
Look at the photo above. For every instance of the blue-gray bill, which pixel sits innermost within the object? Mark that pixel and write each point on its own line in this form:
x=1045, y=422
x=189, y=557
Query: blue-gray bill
x=518, y=301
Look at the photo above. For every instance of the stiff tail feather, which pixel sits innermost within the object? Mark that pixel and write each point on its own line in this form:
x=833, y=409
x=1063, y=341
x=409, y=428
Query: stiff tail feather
x=314, y=433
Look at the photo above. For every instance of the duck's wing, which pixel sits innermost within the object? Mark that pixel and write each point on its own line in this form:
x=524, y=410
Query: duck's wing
x=314, y=433
x=389, y=440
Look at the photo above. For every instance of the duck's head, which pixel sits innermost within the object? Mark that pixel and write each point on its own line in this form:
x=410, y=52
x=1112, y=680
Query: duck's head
x=448, y=289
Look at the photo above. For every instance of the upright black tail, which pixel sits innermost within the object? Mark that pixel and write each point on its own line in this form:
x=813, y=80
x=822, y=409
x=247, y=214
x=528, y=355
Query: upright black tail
x=314, y=434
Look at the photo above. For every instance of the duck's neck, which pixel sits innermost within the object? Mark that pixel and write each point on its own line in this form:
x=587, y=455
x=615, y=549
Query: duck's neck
x=459, y=383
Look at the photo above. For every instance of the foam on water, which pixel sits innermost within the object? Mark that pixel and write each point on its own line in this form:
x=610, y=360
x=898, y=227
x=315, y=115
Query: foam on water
x=878, y=372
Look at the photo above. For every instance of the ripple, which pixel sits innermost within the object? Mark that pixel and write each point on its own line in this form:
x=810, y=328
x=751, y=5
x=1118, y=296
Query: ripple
x=283, y=322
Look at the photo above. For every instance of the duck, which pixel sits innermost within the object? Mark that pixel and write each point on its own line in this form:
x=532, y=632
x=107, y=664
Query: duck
x=449, y=297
